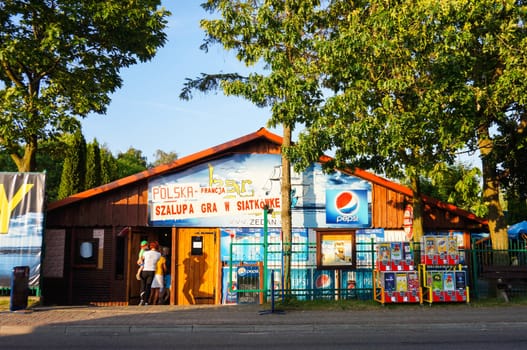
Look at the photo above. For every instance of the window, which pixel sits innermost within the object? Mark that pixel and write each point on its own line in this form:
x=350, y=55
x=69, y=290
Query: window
x=86, y=253
x=336, y=249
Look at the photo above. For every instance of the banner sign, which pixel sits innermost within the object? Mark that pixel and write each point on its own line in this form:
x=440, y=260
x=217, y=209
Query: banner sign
x=21, y=224
x=233, y=191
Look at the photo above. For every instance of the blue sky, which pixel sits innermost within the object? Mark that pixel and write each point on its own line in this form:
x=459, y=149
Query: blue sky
x=147, y=114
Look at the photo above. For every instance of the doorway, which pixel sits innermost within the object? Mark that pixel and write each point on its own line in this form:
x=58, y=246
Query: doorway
x=162, y=236
x=197, y=266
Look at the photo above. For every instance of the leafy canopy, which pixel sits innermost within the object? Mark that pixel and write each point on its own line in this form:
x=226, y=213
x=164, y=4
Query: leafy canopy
x=62, y=58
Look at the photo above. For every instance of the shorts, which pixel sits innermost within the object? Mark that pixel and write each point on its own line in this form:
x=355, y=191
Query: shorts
x=158, y=281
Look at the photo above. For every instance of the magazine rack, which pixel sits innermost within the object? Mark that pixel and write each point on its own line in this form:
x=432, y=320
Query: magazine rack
x=395, y=278
x=442, y=276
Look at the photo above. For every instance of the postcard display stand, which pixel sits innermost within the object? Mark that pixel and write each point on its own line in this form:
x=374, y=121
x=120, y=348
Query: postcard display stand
x=395, y=278
x=442, y=278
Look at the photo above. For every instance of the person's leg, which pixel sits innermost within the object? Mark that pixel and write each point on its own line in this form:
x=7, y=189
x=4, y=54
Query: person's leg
x=148, y=281
x=143, y=288
x=154, y=295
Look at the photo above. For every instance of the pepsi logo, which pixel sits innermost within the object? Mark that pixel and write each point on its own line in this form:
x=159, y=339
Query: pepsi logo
x=323, y=281
x=346, y=203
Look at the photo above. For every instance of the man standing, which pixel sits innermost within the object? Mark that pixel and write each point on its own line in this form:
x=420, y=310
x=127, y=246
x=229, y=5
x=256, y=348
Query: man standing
x=149, y=259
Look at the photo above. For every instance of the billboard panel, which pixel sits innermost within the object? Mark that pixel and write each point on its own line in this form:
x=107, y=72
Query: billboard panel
x=232, y=192
x=21, y=224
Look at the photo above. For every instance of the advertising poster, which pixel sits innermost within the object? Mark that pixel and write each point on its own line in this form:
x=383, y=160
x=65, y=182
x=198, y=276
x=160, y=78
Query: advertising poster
x=401, y=282
x=430, y=246
x=384, y=252
x=348, y=207
x=397, y=251
x=248, y=282
x=389, y=281
x=461, y=280
x=449, y=283
x=336, y=250
x=437, y=281
x=21, y=224
x=247, y=245
x=413, y=281
x=363, y=240
x=229, y=295
x=324, y=282
x=232, y=192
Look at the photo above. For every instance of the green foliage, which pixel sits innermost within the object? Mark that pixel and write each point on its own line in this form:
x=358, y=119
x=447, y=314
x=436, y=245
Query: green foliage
x=274, y=37
x=93, y=165
x=130, y=162
x=108, y=166
x=50, y=159
x=162, y=157
x=457, y=184
x=74, y=169
x=6, y=163
x=62, y=59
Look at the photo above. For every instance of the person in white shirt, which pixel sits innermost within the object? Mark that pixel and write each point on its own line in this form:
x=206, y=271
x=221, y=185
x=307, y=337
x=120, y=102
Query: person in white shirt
x=150, y=258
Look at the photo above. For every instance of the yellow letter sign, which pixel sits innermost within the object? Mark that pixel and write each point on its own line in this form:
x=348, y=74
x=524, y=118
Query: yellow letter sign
x=6, y=206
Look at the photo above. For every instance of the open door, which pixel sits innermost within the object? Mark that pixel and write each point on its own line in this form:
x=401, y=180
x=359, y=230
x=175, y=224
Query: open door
x=197, y=266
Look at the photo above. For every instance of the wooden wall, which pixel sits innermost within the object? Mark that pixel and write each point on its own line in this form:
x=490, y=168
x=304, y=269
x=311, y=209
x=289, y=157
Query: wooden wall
x=124, y=206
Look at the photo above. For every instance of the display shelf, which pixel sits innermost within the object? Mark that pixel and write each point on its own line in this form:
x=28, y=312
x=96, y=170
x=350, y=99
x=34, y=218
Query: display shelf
x=397, y=287
x=395, y=277
x=439, y=251
x=444, y=284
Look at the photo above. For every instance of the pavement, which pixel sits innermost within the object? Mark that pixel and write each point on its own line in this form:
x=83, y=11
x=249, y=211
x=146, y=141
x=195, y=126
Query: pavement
x=243, y=318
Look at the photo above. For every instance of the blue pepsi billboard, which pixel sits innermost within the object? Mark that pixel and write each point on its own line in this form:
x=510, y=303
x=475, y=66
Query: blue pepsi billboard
x=347, y=207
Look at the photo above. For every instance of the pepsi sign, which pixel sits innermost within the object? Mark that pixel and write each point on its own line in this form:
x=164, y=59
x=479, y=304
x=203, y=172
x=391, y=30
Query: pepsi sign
x=347, y=207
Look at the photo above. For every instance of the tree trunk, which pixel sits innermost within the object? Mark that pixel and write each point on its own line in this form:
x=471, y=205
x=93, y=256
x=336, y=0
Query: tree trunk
x=27, y=162
x=417, y=205
x=491, y=192
x=285, y=214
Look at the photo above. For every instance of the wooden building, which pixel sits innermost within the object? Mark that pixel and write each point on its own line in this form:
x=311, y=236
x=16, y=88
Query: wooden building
x=92, y=238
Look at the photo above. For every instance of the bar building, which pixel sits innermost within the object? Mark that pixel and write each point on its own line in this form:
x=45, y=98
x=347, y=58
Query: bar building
x=199, y=204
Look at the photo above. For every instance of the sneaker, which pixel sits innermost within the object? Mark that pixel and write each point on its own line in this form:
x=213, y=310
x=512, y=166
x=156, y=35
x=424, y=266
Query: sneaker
x=141, y=303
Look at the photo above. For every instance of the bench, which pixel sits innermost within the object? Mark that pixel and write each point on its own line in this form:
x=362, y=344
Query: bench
x=503, y=272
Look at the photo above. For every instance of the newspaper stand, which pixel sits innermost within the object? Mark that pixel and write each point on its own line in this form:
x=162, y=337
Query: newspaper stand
x=442, y=277
x=395, y=277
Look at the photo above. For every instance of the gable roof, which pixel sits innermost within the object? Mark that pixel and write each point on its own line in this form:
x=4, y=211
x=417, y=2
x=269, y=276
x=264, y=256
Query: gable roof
x=260, y=134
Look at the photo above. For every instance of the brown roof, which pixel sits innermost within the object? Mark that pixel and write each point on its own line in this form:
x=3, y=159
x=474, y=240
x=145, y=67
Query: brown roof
x=261, y=133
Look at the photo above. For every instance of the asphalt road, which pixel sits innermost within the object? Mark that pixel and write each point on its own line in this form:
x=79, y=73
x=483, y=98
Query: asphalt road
x=247, y=327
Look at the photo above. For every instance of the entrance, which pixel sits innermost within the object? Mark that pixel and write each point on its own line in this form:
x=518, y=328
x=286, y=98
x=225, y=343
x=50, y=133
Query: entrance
x=197, y=266
x=162, y=236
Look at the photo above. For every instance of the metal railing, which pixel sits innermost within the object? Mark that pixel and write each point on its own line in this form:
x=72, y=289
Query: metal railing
x=308, y=281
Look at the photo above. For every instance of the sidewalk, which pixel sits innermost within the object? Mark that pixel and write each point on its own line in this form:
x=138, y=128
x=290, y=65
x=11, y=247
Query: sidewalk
x=241, y=318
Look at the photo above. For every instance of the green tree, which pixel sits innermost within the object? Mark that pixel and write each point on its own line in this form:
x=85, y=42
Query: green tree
x=383, y=109
x=273, y=37
x=412, y=81
x=62, y=59
x=130, y=162
x=6, y=163
x=50, y=159
x=162, y=157
x=458, y=184
x=108, y=166
x=74, y=169
x=93, y=165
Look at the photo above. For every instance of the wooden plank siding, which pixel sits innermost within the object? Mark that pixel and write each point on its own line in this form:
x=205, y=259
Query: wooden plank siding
x=97, y=285
x=387, y=208
x=121, y=207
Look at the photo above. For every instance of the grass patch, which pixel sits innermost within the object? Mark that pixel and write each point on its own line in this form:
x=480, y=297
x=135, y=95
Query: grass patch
x=5, y=302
